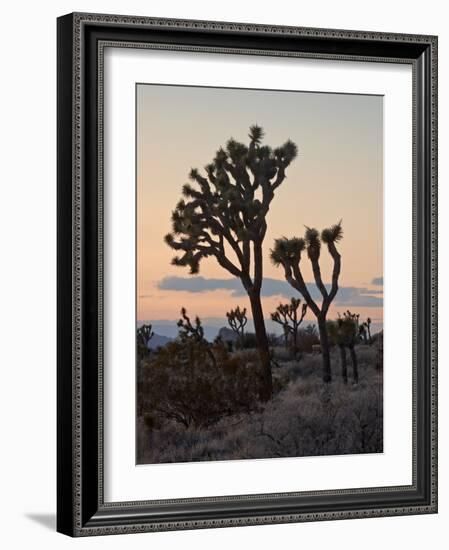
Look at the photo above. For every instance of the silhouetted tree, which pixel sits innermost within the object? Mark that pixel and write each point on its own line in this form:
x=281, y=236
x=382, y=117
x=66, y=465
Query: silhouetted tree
x=144, y=335
x=224, y=217
x=193, y=333
x=363, y=335
x=368, y=329
x=287, y=252
x=336, y=331
x=365, y=331
x=350, y=322
x=188, y=331
x=237, y=320
x=286, y=315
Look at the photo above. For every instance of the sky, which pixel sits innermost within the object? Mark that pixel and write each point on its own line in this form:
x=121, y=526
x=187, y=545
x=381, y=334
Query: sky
x=338, y=174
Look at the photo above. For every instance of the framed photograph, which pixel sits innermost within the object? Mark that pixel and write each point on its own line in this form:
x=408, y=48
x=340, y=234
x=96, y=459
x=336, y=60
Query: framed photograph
x=247, y=278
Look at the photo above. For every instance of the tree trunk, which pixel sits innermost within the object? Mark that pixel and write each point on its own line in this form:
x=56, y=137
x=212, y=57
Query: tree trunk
x=295, y=341
x=324, y=340
x=262, y=346
x=241, y=339
x=355, y=367
x=344, y=366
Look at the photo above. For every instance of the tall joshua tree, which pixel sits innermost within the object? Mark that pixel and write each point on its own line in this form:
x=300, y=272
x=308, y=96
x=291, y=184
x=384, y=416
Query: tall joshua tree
x=237, y=320
x=224, y=216
x=287, y=253
x=286, y=315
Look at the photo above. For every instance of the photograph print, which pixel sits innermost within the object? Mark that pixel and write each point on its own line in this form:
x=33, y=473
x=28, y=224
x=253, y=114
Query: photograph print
x=259, y=306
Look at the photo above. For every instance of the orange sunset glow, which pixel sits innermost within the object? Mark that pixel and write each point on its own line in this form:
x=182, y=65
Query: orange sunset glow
x=337, y=175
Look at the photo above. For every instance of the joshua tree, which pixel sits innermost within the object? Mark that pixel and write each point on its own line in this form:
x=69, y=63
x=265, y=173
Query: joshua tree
x=336, y=330
x=350, y=322
x=363, y=334
x=287, y=252
x=368, y=329
x=144, y=335
x=224, y=216
x=343, y=333
x=287, y=316
x=237, y=320
x=188, y=331
x=193, y=333
x=365, y=331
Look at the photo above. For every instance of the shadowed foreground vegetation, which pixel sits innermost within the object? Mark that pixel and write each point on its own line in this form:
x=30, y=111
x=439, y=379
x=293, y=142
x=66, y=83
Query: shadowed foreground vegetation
x=192, y=410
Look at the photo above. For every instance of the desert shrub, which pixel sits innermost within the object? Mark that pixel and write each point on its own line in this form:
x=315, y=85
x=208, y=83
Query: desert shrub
x=281, y=353
x=196, y=383
x=308, y=337
x=303, y=418
x=249, y=341
x=273, y=339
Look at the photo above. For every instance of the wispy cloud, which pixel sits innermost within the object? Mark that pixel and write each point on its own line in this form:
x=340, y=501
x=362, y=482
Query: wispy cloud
x=379, y=281
x=347, y=296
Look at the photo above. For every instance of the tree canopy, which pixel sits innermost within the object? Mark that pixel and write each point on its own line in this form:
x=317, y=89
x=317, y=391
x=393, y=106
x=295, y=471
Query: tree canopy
x=229, y=203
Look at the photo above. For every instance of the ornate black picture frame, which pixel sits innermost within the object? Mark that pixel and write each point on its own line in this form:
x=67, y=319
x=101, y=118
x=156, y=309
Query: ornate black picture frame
x=81, y=510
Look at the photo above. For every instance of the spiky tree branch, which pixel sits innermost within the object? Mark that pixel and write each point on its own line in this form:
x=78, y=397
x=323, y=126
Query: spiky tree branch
x=287, y=253
x=188, y=330
x=225, y=205
x=193, y=333
x=286, y=315
x=237, y=320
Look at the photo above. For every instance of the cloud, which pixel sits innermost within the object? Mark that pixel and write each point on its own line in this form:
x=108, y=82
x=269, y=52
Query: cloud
x=347, y=296
x=379, y=281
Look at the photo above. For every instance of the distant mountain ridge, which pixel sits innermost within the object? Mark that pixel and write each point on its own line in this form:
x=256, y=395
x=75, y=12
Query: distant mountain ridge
x=168, y=330
x=158, y=341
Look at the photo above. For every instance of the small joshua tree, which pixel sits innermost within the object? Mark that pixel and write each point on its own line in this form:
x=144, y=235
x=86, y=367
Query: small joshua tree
x=350, y=323
x=144, y=335
x=237, y=320
x=337, y=330
x=366, y=329
x=187, y=330
x=363, y=333
x=286, y=315
x=287, y=253
x=224, y=217
x=191, y=334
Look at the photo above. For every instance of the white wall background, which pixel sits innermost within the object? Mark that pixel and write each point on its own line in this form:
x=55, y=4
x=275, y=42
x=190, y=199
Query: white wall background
x=28, y=267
